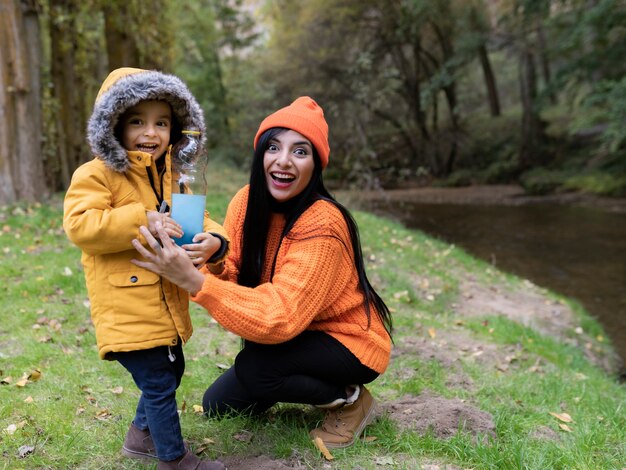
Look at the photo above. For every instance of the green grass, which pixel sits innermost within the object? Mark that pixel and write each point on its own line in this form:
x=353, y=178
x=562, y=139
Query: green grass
x=77, y=413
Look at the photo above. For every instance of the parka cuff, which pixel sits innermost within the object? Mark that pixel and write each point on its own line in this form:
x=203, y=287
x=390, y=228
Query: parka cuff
x=221, y=252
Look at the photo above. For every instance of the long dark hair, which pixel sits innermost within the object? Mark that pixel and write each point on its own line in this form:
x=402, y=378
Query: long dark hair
x=256, y=226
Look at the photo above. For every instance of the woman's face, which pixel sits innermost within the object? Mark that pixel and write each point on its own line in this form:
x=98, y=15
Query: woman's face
x=288, y=164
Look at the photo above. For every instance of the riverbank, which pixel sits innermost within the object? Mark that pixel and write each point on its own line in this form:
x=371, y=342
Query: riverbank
x=488, y=370
x=506, y=195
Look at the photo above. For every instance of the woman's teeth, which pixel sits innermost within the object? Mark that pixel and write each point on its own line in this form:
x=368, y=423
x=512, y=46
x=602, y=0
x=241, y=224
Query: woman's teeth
x=283, y=178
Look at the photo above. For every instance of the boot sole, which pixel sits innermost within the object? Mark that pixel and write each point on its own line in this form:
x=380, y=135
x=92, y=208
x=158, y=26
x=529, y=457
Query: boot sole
x=368, y=419
x=137, y=455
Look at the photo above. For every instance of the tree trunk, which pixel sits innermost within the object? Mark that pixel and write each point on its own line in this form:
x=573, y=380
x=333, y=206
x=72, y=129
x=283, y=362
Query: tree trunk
x=71, y=120
x=490, y=81
x=545, y=63
x=450, y=92
x=122, y=49
x=21, y=103
x=8, y=192
x=532, y=128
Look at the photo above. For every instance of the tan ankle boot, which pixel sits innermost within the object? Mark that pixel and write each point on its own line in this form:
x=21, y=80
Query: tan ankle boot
x=138, y=444
x=344, y=424
x=190, y=461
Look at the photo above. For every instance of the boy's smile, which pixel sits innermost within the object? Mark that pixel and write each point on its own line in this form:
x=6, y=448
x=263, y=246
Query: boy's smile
x=146, y=127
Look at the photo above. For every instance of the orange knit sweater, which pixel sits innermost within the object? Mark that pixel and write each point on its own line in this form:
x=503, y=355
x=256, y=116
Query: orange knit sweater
x=315, y=286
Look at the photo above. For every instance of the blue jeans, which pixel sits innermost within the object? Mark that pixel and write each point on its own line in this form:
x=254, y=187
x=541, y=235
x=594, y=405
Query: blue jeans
x=157, y=373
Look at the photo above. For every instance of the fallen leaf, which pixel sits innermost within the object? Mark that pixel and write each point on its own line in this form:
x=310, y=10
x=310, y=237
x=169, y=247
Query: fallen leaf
x=28, y=399
x=385, y=461
x=222, y=366
x=23, y=451
x=102, y=414
x=322, y=448
x=10, y=429
x=502, y=367
x=35, y=375
x=117, y=390
x=432, y=333
x=243, y=436
x=562, y=417
x=22, y=382
x=6, y=380
x=370, y=439
x=565, y=427
x=402, y=296
x=198, y=409
x=206, y=442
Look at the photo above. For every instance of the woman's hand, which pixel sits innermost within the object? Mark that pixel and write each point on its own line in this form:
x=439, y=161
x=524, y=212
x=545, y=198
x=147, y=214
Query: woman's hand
x=203, y=247
x=168, y=260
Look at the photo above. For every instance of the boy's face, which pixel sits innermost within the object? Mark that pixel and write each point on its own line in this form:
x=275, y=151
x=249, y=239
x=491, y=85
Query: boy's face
x=146, y=127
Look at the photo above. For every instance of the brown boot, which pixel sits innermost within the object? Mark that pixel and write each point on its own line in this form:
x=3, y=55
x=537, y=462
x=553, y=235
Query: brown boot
x=343, y=425
x=138, y=444
x=190, y=461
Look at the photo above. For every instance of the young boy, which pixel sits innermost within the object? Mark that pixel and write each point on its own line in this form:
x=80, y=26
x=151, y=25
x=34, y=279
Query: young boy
x=141, y=319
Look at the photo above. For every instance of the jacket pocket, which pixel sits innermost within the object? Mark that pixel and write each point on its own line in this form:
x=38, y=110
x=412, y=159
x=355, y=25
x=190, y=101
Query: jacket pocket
x=136, y=298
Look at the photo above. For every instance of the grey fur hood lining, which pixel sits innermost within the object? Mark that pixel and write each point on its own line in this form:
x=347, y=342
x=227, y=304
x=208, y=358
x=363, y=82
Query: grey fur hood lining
x=128, y=91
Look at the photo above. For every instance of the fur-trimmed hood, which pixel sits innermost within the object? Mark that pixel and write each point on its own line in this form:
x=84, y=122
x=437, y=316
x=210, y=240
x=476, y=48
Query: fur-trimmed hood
x=126, y=87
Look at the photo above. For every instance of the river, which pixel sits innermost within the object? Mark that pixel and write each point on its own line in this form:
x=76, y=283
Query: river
x=573, y=250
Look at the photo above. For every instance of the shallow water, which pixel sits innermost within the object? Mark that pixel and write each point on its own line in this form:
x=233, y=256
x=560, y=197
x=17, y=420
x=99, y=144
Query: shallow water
x=576, y=251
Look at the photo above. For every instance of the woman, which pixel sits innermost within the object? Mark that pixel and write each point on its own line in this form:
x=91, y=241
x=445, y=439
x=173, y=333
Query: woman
x=293, y=286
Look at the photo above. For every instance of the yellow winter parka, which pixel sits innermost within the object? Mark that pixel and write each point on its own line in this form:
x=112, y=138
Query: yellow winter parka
x=106, y=203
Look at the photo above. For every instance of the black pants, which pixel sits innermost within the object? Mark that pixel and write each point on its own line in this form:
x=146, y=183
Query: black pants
x=312, y=368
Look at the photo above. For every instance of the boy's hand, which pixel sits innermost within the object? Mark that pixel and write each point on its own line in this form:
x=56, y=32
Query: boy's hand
x=171, y=227
x=203, y=247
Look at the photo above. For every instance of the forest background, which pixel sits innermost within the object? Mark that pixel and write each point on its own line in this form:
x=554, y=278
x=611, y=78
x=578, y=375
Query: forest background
x=450, y=92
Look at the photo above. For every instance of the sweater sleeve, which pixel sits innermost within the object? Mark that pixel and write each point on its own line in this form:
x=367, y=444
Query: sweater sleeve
x=312, y=276
x=90, y=220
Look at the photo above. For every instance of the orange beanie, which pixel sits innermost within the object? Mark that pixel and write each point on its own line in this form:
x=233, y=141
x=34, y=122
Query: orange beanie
x=304, y=116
